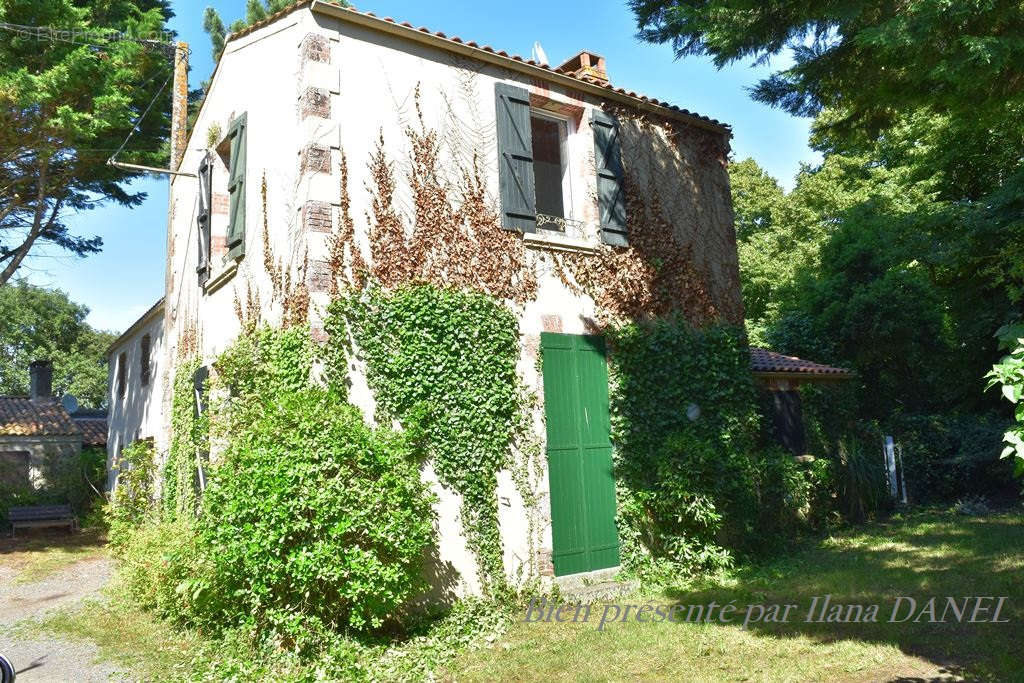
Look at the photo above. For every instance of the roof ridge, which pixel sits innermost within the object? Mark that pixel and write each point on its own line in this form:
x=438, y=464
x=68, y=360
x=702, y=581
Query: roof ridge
x=456, y=40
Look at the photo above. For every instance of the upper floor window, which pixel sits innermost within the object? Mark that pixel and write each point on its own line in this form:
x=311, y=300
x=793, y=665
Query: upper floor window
x=144, y=360
x=552, y=180
x=535, y=176
x=122, y=374
x=222, y=190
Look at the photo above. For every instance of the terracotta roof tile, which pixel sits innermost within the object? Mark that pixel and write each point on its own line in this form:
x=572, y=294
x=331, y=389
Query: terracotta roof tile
x=487, y=48
x=94, y=430
x=21, y=416
x=765, y=361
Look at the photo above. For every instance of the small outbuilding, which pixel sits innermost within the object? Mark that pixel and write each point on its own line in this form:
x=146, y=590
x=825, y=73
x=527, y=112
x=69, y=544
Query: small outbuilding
x=780, y=376
x=33, y=429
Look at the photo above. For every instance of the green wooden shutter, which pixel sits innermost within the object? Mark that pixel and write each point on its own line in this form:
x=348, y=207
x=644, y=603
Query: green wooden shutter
x=236, y=189
x=515, y=158
x=611, y=196
x=583, y=532
x=203, y=219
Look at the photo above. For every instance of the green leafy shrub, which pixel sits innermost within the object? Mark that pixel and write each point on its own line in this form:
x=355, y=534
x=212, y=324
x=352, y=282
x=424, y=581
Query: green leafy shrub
x=264, y=363
x=155, y=560
x=133, y=501
x=1008, y=375
x=443, y=363
x=312, y=522
x=949, y=456
x=694, y=484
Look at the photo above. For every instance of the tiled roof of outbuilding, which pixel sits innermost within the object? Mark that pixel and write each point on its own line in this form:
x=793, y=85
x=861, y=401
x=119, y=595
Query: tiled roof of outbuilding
x=21, y=416
x=94, y=430
x=765, y=361
x=456, y=40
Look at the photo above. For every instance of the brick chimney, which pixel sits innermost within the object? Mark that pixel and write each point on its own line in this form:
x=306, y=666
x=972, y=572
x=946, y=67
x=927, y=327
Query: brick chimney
x=586, y=65
x=40, y=373
x=179, y=105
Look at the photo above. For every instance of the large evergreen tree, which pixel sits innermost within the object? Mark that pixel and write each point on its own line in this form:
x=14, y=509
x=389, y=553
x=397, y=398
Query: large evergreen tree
x=866, y=60
x=74, y=77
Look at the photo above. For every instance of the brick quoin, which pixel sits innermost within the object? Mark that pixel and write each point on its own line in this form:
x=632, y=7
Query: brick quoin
x=316, y=158
x=316, y=216
x=220, y=204
x=315, y=102
x=319, y=276
x=315, y=48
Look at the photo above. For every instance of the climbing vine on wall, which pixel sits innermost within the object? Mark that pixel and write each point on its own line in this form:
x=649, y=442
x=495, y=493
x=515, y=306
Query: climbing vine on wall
x=443, y=363
x=694, y=484
x=189, y=435
x=456, y=239
x=660, y=273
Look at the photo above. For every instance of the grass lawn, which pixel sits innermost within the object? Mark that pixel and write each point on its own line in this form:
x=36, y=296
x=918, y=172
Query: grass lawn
x=38, y=555
x=921, y=554
x=918, y=555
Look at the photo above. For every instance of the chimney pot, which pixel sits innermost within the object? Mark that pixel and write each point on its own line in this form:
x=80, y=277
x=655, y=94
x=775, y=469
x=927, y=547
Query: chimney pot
x=40, y=374
x=586, y=64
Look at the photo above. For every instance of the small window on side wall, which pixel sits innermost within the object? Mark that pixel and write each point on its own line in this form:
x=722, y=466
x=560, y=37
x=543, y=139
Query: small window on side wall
x=122, y=374
x=204, y=217
x=144, y=360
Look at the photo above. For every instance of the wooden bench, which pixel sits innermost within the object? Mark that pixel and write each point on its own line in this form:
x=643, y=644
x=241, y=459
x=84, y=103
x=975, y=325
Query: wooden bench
x=41, y=516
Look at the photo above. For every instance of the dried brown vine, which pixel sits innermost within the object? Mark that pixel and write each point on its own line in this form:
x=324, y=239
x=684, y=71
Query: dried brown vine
x=456, y=239
x=658, y=274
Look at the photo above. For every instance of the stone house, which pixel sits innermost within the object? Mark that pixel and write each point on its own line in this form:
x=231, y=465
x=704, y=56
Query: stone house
x=36, y=429
x=333, y=142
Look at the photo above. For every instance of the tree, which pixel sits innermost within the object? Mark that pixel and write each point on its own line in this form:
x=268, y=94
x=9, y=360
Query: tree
x=255, y=10
x=38, y=323
x=866, y=60
x=71, y=85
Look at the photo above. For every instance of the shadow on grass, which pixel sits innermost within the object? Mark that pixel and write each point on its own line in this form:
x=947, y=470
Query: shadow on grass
x=86, y=540
x=921, y=556
x=35, y=556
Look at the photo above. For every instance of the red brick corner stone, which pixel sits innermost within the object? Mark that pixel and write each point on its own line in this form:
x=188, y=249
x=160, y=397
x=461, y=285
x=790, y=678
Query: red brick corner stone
x=551, y=323
x=316, y=158
x=545, y=567
x=220, y=203
x=315, y=48
x=319, y=334
x=315, y=102
x=316, y=216
x=318, y=277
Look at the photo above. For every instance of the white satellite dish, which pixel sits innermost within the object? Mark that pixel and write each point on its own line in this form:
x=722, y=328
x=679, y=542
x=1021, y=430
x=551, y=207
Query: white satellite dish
x=70, y=403
x=539, y=55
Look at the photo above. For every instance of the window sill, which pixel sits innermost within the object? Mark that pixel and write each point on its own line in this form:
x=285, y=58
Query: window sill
x=555, y=242
x=221, y=278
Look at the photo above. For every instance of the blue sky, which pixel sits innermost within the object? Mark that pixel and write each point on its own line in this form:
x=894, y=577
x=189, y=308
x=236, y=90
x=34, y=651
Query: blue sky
x=123, y=281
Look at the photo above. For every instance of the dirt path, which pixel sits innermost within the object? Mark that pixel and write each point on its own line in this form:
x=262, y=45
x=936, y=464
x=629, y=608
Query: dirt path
x=46, y=658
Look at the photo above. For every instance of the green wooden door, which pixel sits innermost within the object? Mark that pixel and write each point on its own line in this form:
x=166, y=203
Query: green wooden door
x=579, y=453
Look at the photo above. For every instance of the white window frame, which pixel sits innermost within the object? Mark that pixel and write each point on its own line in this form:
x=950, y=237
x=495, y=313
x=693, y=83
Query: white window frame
x=567, y=129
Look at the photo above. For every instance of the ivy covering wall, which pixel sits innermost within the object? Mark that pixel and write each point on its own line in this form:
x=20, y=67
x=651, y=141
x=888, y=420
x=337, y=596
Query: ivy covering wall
x=694, y=484
x=189, y=435
x=443, y=363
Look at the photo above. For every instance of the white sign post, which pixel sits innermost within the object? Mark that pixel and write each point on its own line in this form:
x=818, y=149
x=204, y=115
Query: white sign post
x=890, y=465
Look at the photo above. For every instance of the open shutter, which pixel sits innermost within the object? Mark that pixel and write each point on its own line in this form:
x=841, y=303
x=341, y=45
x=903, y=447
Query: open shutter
x=515, y=158
x=611, y=196
x=203, y=219
x=236, y=189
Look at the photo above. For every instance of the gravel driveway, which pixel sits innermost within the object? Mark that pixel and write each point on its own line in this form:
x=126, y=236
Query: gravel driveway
x=52, y=659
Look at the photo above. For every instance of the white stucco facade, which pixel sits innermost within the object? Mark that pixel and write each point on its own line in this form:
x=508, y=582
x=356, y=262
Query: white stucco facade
x=319, y=78
x=134, y=413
